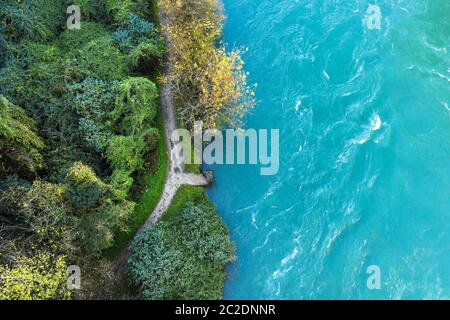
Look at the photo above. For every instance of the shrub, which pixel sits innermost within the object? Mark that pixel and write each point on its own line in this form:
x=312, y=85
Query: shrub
x=98, y=227
x=35, y=20
x=201, y=230
x=136, y=105
x=121, y=182
x=151, y=137
x=21, y=145
x=93, y=101
x=75, y=39
x=125, y=153
x=136, y=31
x=99, y=59
x=84, y=189
x=40, y=277
x=180, y=260
x=145, y=58
x=120, y=10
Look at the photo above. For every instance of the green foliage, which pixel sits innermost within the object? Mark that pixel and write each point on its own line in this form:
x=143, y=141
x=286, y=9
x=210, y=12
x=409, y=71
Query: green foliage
x=35, y=216
x=35, y=20
x=136, y=105
x=99, y=225
x=135, y=32
x=93, y=100
x=40, y=277
x=21, y=145
x=92, y=10
x=126, y=156
x=154, y=186
x=151, y=138
x=35, y=81
x=101, y=212
x=3, y=45
x=120, y=10
x=84, y=189
x=145, y=58
x=99, y=59
x=201, y=230
x=75, y=39
x=183, y=258
x=125, y=153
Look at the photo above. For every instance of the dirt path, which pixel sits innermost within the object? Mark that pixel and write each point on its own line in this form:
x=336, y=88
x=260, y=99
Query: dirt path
x=176, y=175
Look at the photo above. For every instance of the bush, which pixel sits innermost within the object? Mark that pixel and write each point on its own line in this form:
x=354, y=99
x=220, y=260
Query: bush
x=41, y=277
x=120, y=10
x=98, y=227
x=99, y=59
x=145, y=58
x=93, y=101
x=135, y=32
x=136, y=105
x=84, y=189
x=151, y=137
x=183, y=258
x=35, y=20
x=75, y=39
x=21, y=145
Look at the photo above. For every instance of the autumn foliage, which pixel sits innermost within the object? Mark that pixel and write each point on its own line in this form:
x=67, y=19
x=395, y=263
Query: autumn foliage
x=209, y=82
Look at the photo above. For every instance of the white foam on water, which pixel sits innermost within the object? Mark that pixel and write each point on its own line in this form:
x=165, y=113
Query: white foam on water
x=375, y=121
x=290, y=257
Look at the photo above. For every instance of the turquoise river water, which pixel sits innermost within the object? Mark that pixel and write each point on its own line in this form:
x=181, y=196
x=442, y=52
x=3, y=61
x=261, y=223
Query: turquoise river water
x=364, y=179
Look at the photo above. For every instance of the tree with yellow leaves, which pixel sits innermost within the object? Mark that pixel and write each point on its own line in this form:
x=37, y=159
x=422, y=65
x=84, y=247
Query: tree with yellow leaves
x=209, y=82
x=41, y=277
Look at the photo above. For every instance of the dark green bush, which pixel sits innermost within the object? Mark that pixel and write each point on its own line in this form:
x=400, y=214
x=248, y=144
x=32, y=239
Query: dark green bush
x=84, y=189
x=75, y=39
x=136, y=105
x=20, y=144
x=151, y=138
x=99, y=59
x=97, y=228
x=93, y=101
x=120, y=10
x=145, y=58
x=182, y=258
x=35, y=20
x=135, y=32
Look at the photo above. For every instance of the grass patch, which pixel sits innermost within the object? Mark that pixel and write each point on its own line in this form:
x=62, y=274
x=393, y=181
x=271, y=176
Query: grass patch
x=150, y=198
x=193, y=168
x=184, y=195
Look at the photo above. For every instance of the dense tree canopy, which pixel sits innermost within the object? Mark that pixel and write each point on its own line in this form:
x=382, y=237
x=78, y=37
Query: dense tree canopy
x=76, y=129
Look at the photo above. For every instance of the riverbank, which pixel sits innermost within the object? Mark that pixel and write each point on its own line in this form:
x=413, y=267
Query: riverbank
x=183, y=197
